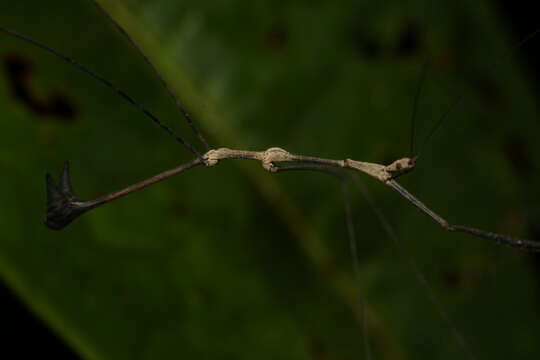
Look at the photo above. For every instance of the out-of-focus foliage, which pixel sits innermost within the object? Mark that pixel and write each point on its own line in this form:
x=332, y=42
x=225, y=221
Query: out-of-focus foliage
x=232, y=262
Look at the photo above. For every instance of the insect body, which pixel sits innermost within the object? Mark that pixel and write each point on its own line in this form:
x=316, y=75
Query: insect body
x=271, y=159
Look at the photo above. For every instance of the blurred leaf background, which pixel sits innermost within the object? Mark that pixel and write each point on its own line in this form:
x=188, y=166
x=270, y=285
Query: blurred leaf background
x=232, y=262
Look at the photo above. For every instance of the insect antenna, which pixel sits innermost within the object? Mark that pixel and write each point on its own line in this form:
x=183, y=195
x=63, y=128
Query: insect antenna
x=107, y=83
x=420, y=85
x=438, y=124
x=161, y=78
x=460, y=97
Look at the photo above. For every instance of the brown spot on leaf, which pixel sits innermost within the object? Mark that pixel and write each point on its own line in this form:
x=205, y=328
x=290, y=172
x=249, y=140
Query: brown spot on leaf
x=19, y=71
x=179, y=209
x=410, y=40
x=277, y=37
x=318, y=350
x=513, y=221
x=518, y=153
x=368, y=47
x=452, y=277
x=489, y=91
x=445, y=60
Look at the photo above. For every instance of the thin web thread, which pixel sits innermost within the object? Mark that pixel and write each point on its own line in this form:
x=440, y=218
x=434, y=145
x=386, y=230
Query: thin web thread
x=353, y=244
x=407, y=257
x=353, y=247
x=161, y=78
x=107, y=83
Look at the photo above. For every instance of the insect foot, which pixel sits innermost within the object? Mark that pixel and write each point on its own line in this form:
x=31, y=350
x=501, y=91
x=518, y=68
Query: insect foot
x=62, y=205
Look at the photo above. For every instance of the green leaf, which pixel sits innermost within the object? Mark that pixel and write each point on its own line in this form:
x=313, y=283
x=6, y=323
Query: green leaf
x=232, y=262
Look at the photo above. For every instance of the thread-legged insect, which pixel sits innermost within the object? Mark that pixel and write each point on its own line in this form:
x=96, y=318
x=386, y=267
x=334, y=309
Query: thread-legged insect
x=317, y=209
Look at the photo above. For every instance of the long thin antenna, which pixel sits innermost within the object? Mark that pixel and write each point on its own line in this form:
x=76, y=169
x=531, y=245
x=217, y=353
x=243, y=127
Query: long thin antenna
x=107, y=83
x=161, y=78
x=438, y=124
x=526, y=39
x=459, y=98
x=419, y=87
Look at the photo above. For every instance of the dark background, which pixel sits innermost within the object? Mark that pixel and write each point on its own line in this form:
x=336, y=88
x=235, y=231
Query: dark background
x=24, y=333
